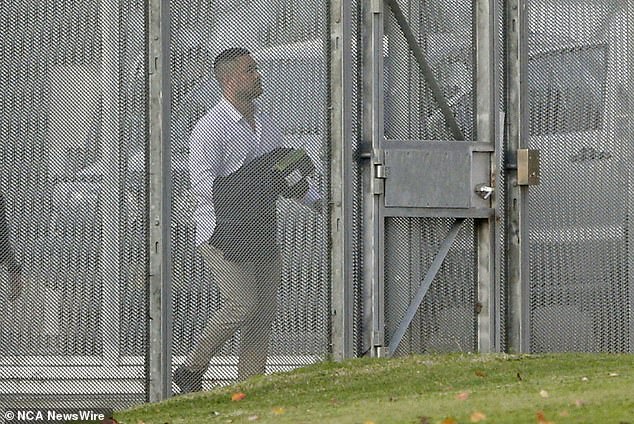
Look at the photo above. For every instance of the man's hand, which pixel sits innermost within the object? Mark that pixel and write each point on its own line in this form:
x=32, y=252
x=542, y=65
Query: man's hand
x=319, y=206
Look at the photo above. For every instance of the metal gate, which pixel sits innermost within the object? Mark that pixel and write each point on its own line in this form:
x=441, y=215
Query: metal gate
x=429, y=179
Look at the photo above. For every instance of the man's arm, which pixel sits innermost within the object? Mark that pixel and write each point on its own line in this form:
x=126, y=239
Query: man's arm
x=205, y=158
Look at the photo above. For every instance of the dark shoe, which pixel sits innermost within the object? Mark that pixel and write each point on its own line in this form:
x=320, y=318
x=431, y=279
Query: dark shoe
x=188, y=380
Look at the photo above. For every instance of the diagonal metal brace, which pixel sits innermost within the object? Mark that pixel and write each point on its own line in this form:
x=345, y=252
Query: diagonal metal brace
x=446, y=244
x=426, y=70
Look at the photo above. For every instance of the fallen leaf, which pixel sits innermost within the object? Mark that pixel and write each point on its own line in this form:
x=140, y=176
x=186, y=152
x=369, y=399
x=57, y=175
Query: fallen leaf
x=477, y=416
x=480, y=373
x=238, y=396
x=449, y=420
x=543, y=393
x=253, y=418
x=368, y=422
x=541, y=418
x=424, y=420
x=579, y=403
x=462, y=396
x=278, y=411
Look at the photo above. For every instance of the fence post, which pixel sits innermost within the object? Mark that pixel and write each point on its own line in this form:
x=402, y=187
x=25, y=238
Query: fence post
x=517, y=195
x=487, y=132
x=340, y=55
x=372, y=22
x=159, y=302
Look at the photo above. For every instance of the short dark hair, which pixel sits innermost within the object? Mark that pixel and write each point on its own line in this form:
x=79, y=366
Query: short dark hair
x=227, y=56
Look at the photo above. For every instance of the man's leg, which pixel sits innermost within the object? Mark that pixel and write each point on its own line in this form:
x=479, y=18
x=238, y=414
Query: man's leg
x=234, y=281
x=255, y=333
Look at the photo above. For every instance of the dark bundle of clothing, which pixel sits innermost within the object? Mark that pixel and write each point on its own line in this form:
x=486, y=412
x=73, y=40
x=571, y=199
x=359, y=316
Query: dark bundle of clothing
x=245, y=202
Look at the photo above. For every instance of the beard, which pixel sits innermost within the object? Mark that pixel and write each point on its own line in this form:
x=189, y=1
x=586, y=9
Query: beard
x=252, y=93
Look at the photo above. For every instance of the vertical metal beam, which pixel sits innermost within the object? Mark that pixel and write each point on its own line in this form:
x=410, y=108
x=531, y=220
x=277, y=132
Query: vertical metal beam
x=341, y=190
x=160, y=274
x=517, y=196
x=111, y=193
x=629, y=16
x=404, y=103
x=486, y=111
x=373, y=320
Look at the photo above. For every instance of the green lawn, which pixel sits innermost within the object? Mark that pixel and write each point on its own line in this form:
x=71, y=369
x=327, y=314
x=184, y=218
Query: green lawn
x=425, y=389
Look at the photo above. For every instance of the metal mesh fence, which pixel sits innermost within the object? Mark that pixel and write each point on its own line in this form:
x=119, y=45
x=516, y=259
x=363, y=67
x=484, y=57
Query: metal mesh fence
x=500, y=198
x=249, y=231
x=445, y=321
x=444, y=30
x=579, y=237
x=251, y=287
x=71, y=149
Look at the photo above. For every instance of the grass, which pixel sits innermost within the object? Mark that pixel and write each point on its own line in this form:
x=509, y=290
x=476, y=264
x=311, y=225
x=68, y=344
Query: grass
x=425, y=389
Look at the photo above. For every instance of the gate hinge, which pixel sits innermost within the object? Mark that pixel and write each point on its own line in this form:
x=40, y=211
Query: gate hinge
x=377, y=6
x=380, y=172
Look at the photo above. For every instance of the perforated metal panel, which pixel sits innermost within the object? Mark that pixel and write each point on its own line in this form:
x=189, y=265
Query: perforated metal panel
x=444, y=29
x=72, y=174
x=581, y=287
x=445, y=322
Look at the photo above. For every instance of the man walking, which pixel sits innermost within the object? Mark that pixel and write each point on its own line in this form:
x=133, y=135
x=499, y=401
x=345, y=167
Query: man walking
x=238, y=168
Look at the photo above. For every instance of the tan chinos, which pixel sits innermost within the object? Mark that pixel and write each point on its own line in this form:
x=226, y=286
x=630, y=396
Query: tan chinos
x=249, y=290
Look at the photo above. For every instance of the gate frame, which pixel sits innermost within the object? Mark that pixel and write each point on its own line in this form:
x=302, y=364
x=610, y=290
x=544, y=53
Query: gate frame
x=517, y=135
x=486, y=229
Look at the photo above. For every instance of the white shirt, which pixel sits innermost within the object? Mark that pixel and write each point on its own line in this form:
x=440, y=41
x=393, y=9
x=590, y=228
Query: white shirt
x=220, y=143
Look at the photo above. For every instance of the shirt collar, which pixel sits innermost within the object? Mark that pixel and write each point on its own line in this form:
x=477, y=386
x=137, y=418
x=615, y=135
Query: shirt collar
x=232, y=111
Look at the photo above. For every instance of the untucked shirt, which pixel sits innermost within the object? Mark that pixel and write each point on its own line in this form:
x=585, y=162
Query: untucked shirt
x=220, y=143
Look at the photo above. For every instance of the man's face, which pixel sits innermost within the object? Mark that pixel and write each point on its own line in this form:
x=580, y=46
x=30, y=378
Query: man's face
x=245, y=78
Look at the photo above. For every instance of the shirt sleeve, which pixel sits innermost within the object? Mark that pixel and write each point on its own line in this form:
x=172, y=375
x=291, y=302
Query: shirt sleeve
x=205, y=163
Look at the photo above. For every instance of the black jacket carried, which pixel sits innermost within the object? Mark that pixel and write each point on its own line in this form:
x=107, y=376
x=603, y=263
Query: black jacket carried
x=245, y=202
